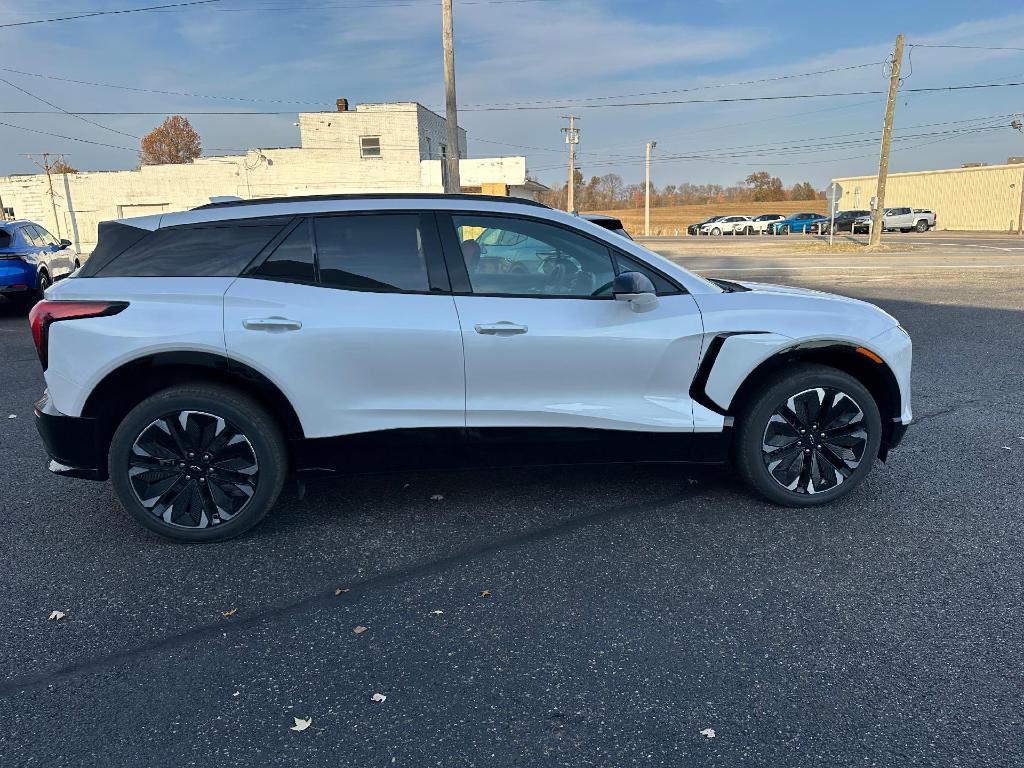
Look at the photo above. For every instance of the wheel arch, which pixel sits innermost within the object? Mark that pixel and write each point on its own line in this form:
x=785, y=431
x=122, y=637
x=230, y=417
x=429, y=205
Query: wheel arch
x=869, y=369
x=132, y=382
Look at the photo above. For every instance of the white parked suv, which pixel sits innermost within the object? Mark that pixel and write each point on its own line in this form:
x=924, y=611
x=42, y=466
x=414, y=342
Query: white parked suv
x=200, y=358
x=730, y=225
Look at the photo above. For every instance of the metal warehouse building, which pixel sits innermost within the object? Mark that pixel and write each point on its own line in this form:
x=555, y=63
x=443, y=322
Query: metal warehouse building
x=980, y=198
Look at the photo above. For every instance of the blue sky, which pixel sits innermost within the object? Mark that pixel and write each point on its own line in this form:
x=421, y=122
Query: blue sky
x=389, y=50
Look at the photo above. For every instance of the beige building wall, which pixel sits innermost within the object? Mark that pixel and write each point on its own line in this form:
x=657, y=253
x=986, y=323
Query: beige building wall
x=987, y=198
x=328, y=162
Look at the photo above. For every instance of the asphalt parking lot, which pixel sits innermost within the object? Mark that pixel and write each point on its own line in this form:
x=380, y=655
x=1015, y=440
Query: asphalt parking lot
x=626, y=609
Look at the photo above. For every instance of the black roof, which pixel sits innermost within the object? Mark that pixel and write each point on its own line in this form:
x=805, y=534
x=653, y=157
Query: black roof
x=371, y=196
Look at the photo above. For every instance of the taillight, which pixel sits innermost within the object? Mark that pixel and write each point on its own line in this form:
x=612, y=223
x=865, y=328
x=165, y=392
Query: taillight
x=45, y=313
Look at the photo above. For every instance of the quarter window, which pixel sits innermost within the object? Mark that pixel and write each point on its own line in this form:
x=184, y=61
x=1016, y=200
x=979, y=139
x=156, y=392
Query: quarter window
x=369, y=146
x=374, y=252
x=292, y=260
x=522, y=257
x=209, y=250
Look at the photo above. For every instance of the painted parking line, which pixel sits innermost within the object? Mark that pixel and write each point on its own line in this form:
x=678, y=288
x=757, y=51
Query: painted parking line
x=900, y=267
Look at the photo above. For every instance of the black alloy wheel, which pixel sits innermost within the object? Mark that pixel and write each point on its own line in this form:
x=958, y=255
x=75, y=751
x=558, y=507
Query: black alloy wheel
x=198, y=462
x=815, y=440
x=193, y=469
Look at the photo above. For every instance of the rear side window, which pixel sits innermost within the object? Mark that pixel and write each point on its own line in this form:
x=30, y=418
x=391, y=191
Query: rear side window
x=372, y=252
x=6, y=239
x=222, y=249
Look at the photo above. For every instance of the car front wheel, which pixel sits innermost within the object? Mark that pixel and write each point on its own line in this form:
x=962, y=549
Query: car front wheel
x=716, y=231
x=198, y=463
x=808, y=436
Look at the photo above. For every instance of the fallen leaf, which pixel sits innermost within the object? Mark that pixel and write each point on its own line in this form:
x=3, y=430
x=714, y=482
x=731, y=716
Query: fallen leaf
x=300, y=724
x=378, y=698
x=437, y=497
x=1007, y=448
x=236, y=693
x=340, y=591
x=708, y=733
x=485, y=593
x=437, y=612
x=229, y=614
x=13, y=416
x=359, y=630
x=57, y=615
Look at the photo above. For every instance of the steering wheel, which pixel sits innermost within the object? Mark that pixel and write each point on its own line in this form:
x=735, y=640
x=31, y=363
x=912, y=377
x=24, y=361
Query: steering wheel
x=607, y=286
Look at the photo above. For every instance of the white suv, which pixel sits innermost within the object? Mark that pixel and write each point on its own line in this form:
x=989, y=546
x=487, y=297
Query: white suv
x=199, y=358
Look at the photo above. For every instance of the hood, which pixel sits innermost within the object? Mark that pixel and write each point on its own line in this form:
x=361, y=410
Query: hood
x=788, y=290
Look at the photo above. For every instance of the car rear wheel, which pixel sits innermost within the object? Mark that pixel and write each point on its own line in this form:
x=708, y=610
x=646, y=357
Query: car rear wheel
x=921, y=226
x=716, y=231
x=43, y=283
x=198, y=463
x=808, y=436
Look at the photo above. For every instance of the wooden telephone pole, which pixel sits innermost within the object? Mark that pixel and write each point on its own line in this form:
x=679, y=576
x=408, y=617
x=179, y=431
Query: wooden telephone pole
x=572, y=138
x=647, y=188
x=453, y=183
x=883, y=160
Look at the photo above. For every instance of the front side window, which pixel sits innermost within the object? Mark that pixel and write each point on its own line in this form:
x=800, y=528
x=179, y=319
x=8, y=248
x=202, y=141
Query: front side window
x=45, y=237
x=369, y=146
x=523, y=257
x=372, y=252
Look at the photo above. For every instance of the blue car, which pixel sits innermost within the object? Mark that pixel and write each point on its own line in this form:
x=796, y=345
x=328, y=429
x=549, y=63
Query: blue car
x=31, y=259
x=798, y=222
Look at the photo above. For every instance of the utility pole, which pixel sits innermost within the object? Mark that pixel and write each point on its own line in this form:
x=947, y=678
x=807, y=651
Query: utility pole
x=451, y=113
x=647, y=188
x=883, y=160
x=572, y=138
x=47, y=167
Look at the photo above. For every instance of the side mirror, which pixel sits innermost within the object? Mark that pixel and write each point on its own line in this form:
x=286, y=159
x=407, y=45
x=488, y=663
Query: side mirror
x=65, y=243
x=637, y=289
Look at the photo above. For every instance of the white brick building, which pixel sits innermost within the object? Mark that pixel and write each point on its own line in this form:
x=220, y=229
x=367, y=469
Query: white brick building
x=373, y=148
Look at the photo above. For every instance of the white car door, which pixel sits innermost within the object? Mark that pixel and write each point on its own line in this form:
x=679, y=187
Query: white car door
x=552, y=348
x=351, y=316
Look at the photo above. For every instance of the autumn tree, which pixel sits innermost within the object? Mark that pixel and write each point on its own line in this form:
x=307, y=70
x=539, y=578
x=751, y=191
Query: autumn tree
x=62, y=166
x=767, y=188
x=803, y=191
x=175, y=141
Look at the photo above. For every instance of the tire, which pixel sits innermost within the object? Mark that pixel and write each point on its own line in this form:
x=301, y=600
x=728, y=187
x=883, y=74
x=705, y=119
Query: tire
x=748, y=231
x=716, y=231
x=904, y=230
x=921, y=226
x=78, y=265
x=769, y=451
x=785, y=229
x=197, y=497
x=44, y=283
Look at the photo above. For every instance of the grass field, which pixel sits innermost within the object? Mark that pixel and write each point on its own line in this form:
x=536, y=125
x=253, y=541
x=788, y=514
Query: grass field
x=671, y=220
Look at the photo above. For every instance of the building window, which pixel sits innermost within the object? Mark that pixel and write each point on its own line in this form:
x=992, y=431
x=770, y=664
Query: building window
x=369, y=146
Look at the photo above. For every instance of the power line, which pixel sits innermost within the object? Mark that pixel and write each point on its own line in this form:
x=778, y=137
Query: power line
x=966, y=47
x=69, y=138
x=91, y=14
x=785, y=97
x=681, y=90
x=162, y=92
x=71, y=114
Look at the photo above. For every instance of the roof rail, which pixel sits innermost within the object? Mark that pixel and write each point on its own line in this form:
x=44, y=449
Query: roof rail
x=370, y=196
